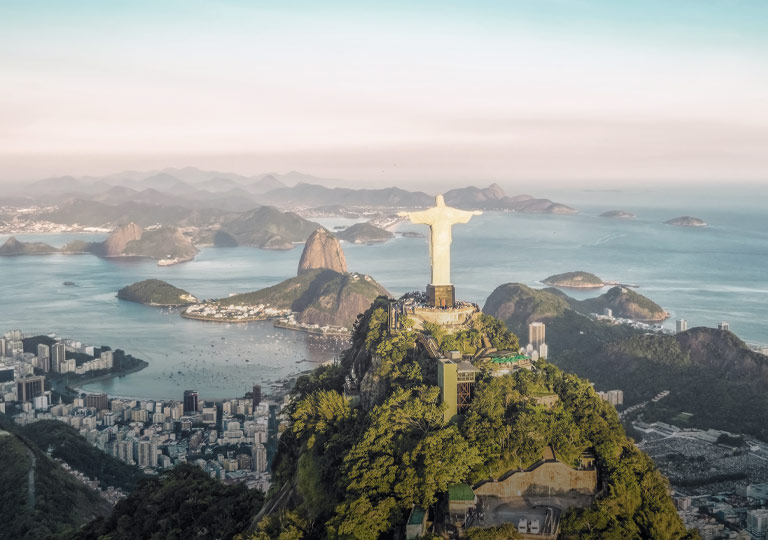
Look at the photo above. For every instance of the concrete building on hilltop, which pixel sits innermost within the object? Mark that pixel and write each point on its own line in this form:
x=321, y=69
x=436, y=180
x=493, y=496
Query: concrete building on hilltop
x=456, y=381
x=681, y=325
x=536, y=334
x=723, y=326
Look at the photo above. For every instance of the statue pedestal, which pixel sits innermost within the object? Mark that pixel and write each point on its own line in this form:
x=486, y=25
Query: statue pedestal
x=441, y=295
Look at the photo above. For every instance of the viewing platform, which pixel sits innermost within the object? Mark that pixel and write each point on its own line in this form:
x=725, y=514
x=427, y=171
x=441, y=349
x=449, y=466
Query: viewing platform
x=453, y=317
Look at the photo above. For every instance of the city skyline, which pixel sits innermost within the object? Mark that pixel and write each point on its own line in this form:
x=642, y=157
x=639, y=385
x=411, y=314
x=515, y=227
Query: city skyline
x=557, y=91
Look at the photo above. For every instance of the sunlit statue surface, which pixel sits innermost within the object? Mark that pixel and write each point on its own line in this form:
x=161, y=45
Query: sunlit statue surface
x=440, y=219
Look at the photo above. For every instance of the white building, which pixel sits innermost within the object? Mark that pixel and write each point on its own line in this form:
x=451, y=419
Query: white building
x=757, y=523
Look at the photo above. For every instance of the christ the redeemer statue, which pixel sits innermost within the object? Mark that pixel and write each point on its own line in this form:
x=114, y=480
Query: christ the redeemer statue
x=440, y=219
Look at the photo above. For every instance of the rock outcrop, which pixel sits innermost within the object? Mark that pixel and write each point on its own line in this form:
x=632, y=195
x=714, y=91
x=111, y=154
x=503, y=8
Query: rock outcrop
x=13, y=246
x=687, y=221
x=322, y=251
x=115, y=244
x=575, y=280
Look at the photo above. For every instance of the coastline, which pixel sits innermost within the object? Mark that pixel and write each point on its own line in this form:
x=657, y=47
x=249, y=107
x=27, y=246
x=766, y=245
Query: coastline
x=74, y=391
x=315, y=331
x=277, y=322
x=203, y=318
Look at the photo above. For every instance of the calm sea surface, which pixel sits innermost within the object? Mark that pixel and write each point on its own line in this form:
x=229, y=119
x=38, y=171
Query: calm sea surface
x=705, y=275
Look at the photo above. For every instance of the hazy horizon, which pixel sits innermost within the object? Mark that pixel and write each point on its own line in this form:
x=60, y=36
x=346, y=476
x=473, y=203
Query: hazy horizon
x=557, y=91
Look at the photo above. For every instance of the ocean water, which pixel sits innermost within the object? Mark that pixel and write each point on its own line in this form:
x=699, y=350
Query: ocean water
x=705, y=275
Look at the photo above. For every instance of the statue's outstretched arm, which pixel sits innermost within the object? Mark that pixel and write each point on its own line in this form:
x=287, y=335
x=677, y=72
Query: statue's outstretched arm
x=463, y=216
x=417, y=217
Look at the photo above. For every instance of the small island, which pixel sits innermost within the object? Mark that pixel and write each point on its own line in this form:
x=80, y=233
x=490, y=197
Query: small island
x=686, y=221
x=364, y=233
x=155, y=292
x=575, y=280
x=618, y=214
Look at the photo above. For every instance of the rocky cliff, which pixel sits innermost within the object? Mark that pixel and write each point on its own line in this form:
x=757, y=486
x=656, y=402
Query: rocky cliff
x=116, y=243
x=322, y=250
x=165, y=244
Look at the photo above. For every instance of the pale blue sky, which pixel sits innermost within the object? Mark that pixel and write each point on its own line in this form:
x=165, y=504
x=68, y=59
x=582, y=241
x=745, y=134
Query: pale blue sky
x=556, y=90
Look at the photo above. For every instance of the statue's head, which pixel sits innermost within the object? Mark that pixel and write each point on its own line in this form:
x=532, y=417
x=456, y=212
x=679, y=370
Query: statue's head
x=439, y=200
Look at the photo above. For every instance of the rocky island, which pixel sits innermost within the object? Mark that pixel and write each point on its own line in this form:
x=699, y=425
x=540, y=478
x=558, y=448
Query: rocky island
x=155, y=292
x=364, y=233
x=618, y=214
x=575, y=280
x=686, y=221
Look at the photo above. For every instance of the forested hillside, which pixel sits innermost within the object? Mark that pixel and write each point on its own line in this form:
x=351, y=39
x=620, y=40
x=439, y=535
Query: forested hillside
x=347, y=471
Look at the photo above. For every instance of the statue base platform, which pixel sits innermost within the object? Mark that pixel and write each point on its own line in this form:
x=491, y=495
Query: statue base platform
x=442, y=296
x=451, y=319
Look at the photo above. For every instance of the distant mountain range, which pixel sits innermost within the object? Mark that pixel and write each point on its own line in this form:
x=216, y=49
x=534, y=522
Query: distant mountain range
x=192, y=188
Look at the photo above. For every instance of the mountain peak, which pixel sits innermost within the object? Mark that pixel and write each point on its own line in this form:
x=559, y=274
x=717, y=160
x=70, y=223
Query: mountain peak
x=322, y=250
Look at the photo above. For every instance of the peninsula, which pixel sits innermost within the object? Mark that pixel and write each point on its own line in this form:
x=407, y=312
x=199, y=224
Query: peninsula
x=322, y=298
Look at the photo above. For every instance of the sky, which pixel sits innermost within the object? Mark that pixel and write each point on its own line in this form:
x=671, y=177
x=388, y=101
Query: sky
x=564, y=92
